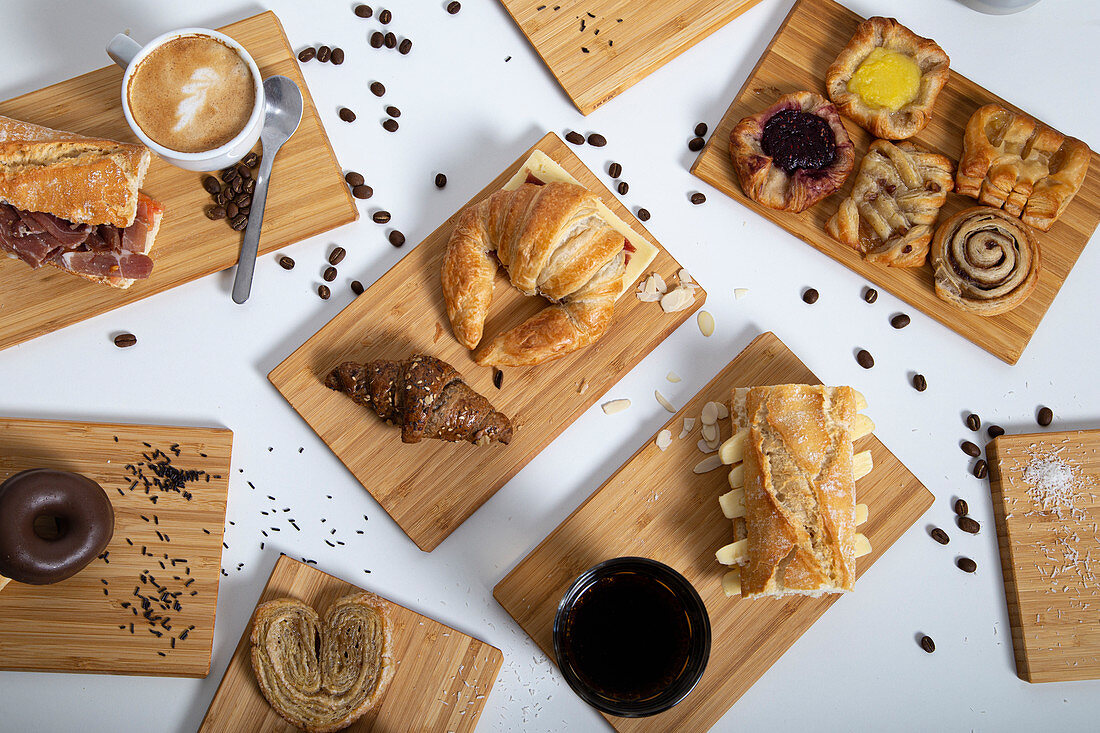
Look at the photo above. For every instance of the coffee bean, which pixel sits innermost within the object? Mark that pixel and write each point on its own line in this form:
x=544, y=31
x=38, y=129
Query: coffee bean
x=623, y=187
x=968, y=524
x=237, y=184
x=362, y=191
x=391, y=39
x=336, y=256
x=377, y=39
x=346, y=114
x=250, y=187
x=251, y=160
x=899, y=321
x=981, y=468
x=940, y=536
x=380, y=217
x=643, y=214
x=231, y=210
x=966, y=564
x=243, y=209
x=405, y=46
x=698, y=198
x=614, y=170
x=324, y=53
x=337, y=56
x=864, y=358
x=329, y=274
x=124, y=340
x=215, y=212
x=244, y=171
x=440, y=180
x=221, y=198
x=384, y=17
x=390, y=125
x=397, y=239
x=994, y=431
x=363, y=11
x=696, y=144
x=927, y=644
x=1045, y=416
x=498, y=377
x=286, y=263
x=377, y=88
x=393, y=111
x=597, y=140
x=240, y=223
x=354, y=179
x=324, y=292
x=454, y=7
x=973, y=422
x=919, y=382
x=356, y=287
x=229, y=174
x=244, y=201
x=211, y=185
x=961, y=508
x=870, y=295
x=701, y=129
x=307, y=54
x=970, y=449
x=810, y=296
x=574, y=137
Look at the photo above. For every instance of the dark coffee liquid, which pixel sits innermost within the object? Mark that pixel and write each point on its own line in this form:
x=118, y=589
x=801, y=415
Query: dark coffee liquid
x=628, y=637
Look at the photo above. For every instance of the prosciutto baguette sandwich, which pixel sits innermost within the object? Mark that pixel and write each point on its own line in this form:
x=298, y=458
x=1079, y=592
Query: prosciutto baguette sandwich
x=73, y=202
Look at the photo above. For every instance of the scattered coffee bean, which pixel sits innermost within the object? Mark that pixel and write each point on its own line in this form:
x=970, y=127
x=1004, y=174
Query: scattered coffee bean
x=968, y=524
x=864, y=359
x=919, y=382
x=329, y=274
x=211, y=185
x=377, y=39
x=250, y=187
x=354, y=179
x=927, y=644
x=337, y=56
x=231, y=209
x=961, y=508
x=380, y=217
x=397, y=239
x=324, y=53
x=899, y=321
x=440, y=180
x=363, y=11
x=229, y=173
x=623, y=187
x=1045, y=416
x=574, y=137
x=244, y=172
x=251, y=160
x=237, y=185
x=337, y=256
x=384, y=17
x=390, y=125
x=696, y=144
x=994, y=431
x=125, y=340
x=981, y=468
x=215, y=212
x=405, y=46
x=597, y=140
x=966, y=564
x=221, y=198
x=498, y=377
x=346, y=114
x=643, y=214
x=698, y=198
x=240, y=223
x=454, y=7
x=362, y=191
x=390, y=39
x=356, y=287
x=810, y=296
x=324, y=292
x=286, y=263
x=970, y=449
x=377, y=88
x=973, y=422
x=701, y=129
x=393, y=111
x=939, y=536
x=870, y=295
x=614, y=170
x=307, y=54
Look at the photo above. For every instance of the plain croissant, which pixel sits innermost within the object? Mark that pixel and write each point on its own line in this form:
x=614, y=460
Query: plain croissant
x=426, y=396
x=553, y=242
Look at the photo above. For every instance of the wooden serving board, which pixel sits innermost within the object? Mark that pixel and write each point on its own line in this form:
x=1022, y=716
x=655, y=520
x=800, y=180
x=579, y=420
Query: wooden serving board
x=83, y=624
x=307, y=195
x=1047, y=560
x=626, y=40
x=431, y=487
x=655, y=506
x=807, y=42
x=442, y=679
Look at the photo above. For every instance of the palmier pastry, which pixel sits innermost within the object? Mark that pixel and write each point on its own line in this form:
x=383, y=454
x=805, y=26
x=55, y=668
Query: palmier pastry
x=552, y=242
x=1012, y=161
x=887, y=79
x=985, y=261
x=895, y=200
x=793, y=154
x=323, y=675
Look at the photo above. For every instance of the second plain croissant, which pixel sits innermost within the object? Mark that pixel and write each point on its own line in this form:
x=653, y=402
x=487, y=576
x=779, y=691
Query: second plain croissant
x=553, y=242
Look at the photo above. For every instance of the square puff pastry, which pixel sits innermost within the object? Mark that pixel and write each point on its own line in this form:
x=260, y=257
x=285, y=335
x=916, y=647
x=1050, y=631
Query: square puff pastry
x=891, y=35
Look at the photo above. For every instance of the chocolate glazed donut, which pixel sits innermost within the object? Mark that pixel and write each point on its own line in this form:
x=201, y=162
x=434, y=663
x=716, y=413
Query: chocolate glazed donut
x=85, y=522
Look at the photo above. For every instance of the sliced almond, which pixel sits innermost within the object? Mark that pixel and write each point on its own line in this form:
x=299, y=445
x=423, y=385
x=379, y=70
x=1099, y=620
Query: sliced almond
x=705, y=447
x=659, y=283
x=733, y=503
x=707, y=465
x=861, y=465
x=710, y=433
x=862, y=545
x=723, y=411
x=689, y=424
x=861, y=514
x=731, y=583
x=672, y=377
x=735, y=553
x=737, y=476
x=582, y=387
x=649, y=297
x=614, y=406
x=662, y=401
x=710, y=413
x=733, y=450
x=706, y=323
x=677, y=299
x=740, y=293
x=664, y=439
x=684, y=276
x=862, y=426
x=861, y=401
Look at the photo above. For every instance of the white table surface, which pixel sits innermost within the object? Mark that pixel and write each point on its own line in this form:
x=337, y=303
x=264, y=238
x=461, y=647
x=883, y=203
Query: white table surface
x=201, y=360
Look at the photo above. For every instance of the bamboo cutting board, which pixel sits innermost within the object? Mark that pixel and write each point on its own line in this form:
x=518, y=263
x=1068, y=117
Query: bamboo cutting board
x=655, y=506
x=807, y=42
x=83, y=624
x=1047, y=551
x=431, y=487
x=307, y=195
x=440, y=683
x=597, y=49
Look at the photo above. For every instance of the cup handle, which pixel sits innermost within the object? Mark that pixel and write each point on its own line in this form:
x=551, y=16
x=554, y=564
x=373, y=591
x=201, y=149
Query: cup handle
x=122, y=49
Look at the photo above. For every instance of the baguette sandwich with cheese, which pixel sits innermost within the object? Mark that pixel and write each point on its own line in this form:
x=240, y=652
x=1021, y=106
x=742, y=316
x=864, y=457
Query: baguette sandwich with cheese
x=73, y=202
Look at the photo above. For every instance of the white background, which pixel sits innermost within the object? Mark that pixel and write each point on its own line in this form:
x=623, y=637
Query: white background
x=201, y=360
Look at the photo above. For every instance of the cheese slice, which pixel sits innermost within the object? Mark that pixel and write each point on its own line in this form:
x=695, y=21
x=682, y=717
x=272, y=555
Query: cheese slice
x=546, y=169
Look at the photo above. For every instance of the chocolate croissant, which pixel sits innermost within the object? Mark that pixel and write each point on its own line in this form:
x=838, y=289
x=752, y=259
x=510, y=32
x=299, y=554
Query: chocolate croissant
x=426, y=396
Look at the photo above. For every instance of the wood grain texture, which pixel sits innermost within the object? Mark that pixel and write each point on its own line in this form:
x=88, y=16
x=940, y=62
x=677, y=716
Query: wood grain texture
x=431, y=487
x=73, y=626
x=312, y=200
x=655, y=506
x=442, y=679
x=1049, y=572
x=627, y=40
x=807, y=42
